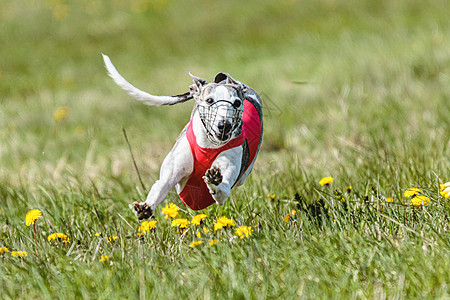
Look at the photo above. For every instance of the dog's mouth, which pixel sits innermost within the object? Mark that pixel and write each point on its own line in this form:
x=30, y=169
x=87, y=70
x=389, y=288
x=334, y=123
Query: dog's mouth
x=219, y=129
x=222, y=137
x=224, y=130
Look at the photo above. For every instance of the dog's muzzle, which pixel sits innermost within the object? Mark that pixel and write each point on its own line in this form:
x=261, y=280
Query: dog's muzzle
x=220, y=127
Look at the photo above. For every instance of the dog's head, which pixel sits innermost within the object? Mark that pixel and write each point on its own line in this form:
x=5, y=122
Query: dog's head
x=220, y=105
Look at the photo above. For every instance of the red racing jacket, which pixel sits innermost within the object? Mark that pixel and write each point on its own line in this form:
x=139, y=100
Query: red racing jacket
x=195, y=194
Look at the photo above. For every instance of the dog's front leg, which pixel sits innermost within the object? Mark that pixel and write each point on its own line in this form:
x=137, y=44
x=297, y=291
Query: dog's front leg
x=177, y=165
x=223, y=174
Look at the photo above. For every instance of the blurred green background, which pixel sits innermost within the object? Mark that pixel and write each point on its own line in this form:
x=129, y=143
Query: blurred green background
x=336, y=78
x=353, y=89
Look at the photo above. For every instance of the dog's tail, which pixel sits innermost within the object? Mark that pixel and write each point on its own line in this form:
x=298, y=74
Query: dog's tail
x=145, y=97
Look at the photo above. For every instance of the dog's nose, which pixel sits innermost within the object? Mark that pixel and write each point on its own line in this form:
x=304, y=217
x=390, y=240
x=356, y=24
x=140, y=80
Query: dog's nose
x=224, y=127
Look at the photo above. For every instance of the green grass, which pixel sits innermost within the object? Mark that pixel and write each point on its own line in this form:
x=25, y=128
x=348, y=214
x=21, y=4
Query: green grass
x=372, y=111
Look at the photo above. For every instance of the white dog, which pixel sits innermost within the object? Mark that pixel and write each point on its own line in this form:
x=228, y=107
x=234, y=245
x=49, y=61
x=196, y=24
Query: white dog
x=217, y=148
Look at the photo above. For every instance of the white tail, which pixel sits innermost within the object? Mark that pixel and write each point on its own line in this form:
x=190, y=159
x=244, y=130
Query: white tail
x=134, y=92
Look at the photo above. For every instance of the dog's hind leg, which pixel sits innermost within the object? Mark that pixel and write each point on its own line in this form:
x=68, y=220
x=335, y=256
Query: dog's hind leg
x=176, y=166
x=223, y=173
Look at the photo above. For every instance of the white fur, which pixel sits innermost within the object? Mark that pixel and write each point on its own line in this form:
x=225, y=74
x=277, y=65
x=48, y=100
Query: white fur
x=134, y=92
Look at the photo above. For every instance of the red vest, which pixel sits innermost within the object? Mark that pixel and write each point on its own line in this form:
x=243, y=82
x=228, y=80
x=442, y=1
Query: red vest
x=195, y=194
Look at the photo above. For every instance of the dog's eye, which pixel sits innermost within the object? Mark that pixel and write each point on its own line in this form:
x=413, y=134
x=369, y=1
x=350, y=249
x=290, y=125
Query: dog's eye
x=209, y=100
x=237, y=103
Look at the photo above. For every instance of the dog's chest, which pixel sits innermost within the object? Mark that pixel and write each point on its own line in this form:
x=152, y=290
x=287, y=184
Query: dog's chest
x=195, y=194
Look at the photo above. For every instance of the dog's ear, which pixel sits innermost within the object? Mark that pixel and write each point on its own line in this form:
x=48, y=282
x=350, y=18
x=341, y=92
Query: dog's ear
x=225, y=78
x=198, y=84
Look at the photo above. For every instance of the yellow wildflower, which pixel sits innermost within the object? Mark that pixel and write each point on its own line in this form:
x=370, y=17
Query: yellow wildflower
x=243, y=231
x=271, y=196
x=199, y=235
x=348, y=189
x=195, y=243
x=32, y=216
x=146, y=226
x=60, y=113
x=420, y=200
x=445, y=190
x=196, y=220
x=60, y=236
x=3, y=250
x=212, y=242
x=181, y=223
x=223, y=222
x=287, y=218
x=412, y=192
x=170, y=211
x=112, y=238
x=19, y=253
x=217, y=226
x=388, y=200
x=326, y=181
x=104, y=258
x=205, y=230
x=98, y=234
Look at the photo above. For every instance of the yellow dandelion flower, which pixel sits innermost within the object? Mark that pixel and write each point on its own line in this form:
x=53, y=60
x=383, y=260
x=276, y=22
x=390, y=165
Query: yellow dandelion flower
x=271, y=196
x=412, y=192
x=60, y=113
x=348, y=189
x=445, y=194
x=146, y=226
x=445, y=190
x=388, y=200
x=195, y=243
x=287, y=218
x=32, y=216
x=223, y=222
x=212, y=242
x=112, y=238
x=98, y=234
x=170, y=211
x=205, y=230
x=3, y=250
x=19, y=253
x=180, y=223
x=326, y=181
x=244, y=231
x=199, y=235
x=104, y=258
x=420, y=200
x=58, y=236
x=196, y=220
x=217, y=226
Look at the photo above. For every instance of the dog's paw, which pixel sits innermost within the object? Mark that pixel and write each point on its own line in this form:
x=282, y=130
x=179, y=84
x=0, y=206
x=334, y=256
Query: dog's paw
x=142, y=210
x=213, y=176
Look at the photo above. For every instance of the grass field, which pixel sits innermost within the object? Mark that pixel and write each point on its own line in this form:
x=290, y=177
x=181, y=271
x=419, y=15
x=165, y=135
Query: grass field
x=354, y=89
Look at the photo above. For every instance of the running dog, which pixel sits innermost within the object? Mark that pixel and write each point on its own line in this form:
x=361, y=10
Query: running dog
x=216, y=149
